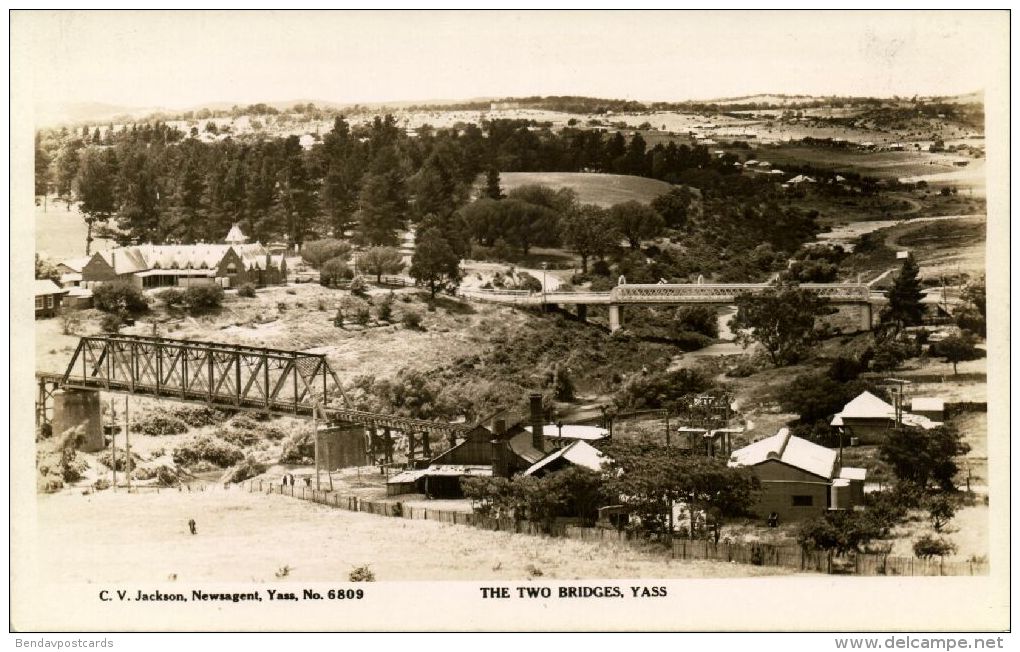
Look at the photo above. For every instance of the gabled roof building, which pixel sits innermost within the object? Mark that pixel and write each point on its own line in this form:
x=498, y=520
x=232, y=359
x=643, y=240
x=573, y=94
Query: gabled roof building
x=799, y=479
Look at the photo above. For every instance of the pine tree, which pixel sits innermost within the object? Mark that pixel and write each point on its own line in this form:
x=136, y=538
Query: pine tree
x=905, y=307
x=383, y=201
x=492, y=189
x=96, y=190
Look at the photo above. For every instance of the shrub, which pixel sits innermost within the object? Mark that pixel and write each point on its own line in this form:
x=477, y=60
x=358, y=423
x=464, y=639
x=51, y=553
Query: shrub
x=247, y=291
x=698, y=319
x=70, y=321
x=173, y=299
x=106, y=459
x=202, y=298
x=249, y=468
x=941, y=510
x=361, y=574
x=167, y=476
x=659, y=389
x=208, y=449
x=362, y=315
x=601, y=268
x=298, y=449
x=411, y=320
x=528, y=282
x=319, y=252
x=119, y=297
x=928, y=546
x=384, y=311
x=358, y=286
x=333, y=272
x=101, y=484
x=245, y=431
x=159, y=423
x=196, y=416
x=111, y=323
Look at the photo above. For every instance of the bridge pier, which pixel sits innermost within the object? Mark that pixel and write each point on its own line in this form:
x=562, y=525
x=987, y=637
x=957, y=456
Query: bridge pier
x=866, y=316
x=73, y=408
x=582, y=313
x=615, y=317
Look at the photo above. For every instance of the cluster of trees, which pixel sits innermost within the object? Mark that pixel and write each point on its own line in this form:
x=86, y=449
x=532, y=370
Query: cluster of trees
x=574, y=491
x=154, y=182
x=646, y=477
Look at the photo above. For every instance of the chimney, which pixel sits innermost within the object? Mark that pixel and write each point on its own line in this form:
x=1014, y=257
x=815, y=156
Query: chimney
x=500, y=426
x=537, y=422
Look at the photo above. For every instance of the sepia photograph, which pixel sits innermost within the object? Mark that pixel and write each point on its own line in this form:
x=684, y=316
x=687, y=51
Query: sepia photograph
x=566, y=320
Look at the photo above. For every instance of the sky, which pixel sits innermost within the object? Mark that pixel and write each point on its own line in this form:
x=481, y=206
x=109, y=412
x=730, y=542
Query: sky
x=185, y=59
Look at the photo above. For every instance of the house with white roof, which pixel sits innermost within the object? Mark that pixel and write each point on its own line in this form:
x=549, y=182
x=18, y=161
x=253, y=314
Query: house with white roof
x=868, y=419
x=229, y=264
x=799, y=479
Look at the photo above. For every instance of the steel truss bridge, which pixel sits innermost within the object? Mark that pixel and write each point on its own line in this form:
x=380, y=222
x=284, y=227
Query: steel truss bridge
x=228, y=376
x=666, y=294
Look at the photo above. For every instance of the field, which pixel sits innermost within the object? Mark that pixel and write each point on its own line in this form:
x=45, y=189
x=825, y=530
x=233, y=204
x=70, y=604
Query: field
x=601, y=189
x=144, y=538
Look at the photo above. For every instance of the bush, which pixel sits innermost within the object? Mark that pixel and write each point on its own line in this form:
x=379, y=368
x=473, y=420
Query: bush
x=119, y=297
x=362, y=316
x=358, y=286
x=319, y=252
x=928, y=546
x=159, y=423
x=247, y=291
x=249, y=468
x=601, y=268
x=384, y=311
x=203, y=297
x=333, y=272
x=361, y=574
x=111, y=323
x=167, y=476
x=243, y=430
x=197, y=416
x=298, y=449
x=660, y=389
x=411, y=320
x=698, y=319
x=173, y=299
x=208, y=449
x=528, y=282
x=70, y=321
x=106, y=459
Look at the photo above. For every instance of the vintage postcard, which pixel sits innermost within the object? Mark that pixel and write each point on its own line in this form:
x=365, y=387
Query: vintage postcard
x=511, y=320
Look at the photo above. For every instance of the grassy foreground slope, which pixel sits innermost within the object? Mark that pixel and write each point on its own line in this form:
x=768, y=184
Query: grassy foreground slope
x=591, y=188
x=144, y=538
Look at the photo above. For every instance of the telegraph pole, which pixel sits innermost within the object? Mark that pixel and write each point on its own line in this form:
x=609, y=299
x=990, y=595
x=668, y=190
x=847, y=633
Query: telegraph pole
x=127, y=442
x=113, y=442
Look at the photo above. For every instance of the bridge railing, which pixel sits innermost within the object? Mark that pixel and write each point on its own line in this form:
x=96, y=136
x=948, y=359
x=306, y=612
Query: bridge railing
x=711, y=292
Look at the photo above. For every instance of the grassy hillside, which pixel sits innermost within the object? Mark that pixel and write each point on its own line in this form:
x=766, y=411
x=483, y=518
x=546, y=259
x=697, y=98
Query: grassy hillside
x=591, y=188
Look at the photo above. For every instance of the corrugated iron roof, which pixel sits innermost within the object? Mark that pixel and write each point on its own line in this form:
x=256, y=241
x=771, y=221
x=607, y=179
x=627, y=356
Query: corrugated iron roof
x=46, y=286
x=784, y=447
x=927, y=404
x=579, y=453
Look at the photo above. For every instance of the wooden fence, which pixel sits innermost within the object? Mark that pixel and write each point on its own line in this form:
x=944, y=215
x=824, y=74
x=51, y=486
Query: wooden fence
x=756, y=554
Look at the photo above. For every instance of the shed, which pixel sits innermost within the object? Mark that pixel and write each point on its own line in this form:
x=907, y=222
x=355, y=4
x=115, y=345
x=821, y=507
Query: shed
x=930, y=407
x=48, y=296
